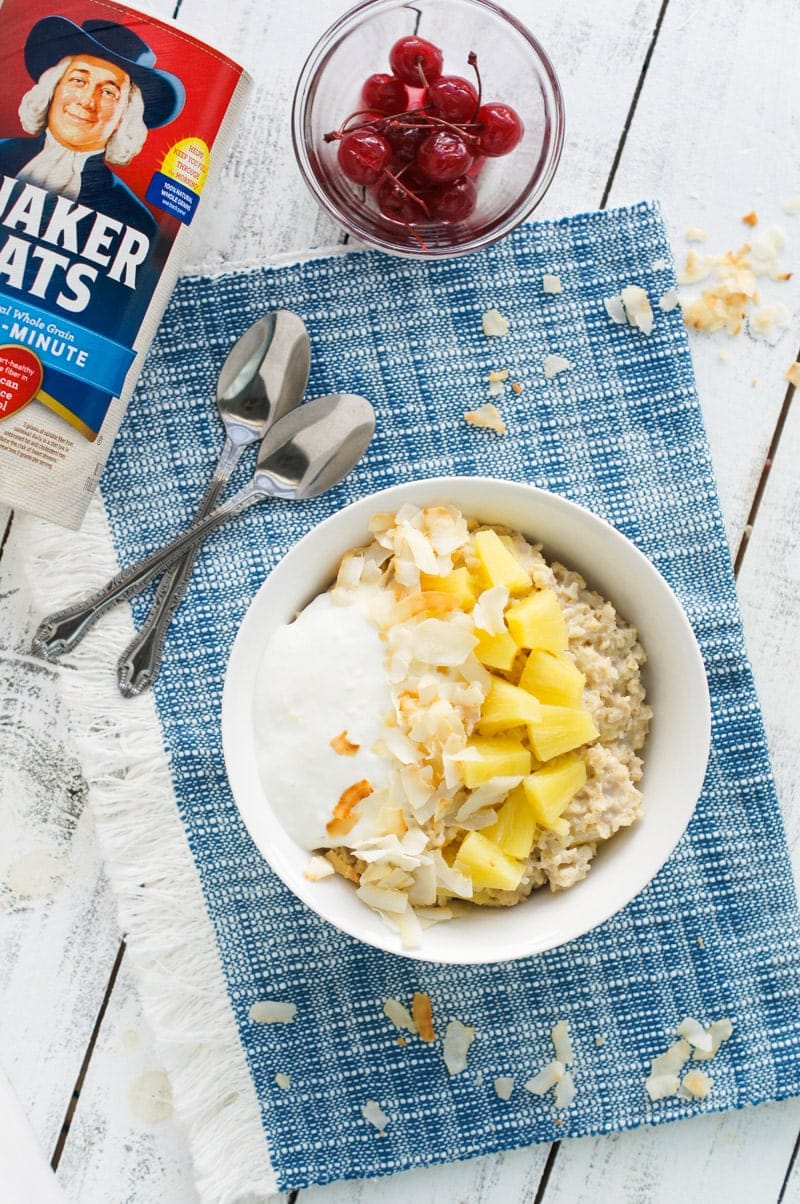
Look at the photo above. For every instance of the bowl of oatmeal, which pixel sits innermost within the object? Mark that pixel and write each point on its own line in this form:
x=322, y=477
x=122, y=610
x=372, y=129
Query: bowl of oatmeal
x=465, y=720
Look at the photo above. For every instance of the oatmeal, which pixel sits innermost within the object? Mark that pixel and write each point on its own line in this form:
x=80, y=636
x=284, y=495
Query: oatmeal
x=463, y=720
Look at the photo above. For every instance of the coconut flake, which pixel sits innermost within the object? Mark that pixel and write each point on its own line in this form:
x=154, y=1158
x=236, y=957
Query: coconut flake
x=504, y=1086
x=720, y=1031
x=441, y=642
x=284, y=1081
x=374, y=1115
x=399, y=1015
x=565, y=1091
x=672, y=1060
x=488, y=613
x=561, y=1042
x=457, y=1039
x=551, y=284
x=553, y=364
x=668, y=300
x=494, y=324
x=548, y=1077
x=318, y=868
x=695, y=1034
x=488, y=417
x=616, y=310
x=793, y=373
x=695, y=234
x=637, y=307
x=268, y=1011
x=659, y=1086
x=697, y=1084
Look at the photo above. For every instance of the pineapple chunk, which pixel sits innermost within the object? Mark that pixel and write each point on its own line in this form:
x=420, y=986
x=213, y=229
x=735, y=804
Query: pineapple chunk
x=496, y=651
x=552, y=678
x=515, y=827
x=551, y=789
x=459, y=582
x=499, y=566
x=498, y=756
x=507, y=706
x=487, y=865
x=537, y=621
x=560, y=730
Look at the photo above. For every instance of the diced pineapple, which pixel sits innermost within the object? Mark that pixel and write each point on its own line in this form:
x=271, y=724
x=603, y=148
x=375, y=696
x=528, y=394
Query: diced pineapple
x=515, y=827
x=537, y=621
x=559, y=730
x=499, y=565
x=552, y=788
x=496, y=651
x=459, y=582
x=497, y=756
x=487, y=865
x=552, y=678
x=507, y=706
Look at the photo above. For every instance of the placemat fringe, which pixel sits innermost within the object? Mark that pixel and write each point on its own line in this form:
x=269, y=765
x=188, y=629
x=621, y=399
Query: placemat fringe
x=160, y=907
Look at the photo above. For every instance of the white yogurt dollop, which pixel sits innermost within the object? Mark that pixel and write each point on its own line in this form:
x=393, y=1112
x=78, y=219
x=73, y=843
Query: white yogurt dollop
x=320, y=676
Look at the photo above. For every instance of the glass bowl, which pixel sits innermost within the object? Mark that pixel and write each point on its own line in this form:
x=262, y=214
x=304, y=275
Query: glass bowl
x=514, y=70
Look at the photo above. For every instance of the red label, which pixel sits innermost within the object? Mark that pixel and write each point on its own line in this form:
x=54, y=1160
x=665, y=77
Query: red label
x=21, y=376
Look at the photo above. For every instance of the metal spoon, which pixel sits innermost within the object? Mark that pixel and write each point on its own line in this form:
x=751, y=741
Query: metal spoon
x=263, y=377
x=310, y=450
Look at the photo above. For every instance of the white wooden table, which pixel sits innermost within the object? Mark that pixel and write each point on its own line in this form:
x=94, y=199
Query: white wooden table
x=695, y=102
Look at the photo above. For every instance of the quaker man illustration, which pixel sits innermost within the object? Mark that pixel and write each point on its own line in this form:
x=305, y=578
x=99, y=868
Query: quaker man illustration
x=96, y=96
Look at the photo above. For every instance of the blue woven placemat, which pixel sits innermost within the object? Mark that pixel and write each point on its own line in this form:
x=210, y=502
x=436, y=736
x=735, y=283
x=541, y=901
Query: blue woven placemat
x=715, y=934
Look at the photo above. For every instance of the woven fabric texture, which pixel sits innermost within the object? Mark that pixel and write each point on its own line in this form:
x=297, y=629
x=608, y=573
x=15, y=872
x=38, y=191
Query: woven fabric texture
x=715, y=934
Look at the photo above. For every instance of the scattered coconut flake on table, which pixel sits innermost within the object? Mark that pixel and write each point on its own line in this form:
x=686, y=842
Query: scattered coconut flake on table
x=616, y=310
x=551, y=284
x=269, y=1011
x=695, y=1034
x=399, y=1015
x=792, y=205
x=696, y=1042
x=553, y=364
x=504, y=1086
x=637, y=307
x=561, y=1042
x=731, y=292
x=668, y=300
x=564, y=1094
x=695, y=234
x=696, y=1084
x=374, y=1114
x=422, y=1011
x=487, y=416
x=548, y=1077
x=555, y=1074
x=751, y=218
x=494, y=324
x=457, y=1039
x=284, y=1081
x=793, y=373
x=497, y=379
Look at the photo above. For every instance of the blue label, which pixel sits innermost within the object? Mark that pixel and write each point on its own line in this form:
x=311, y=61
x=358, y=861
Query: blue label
x=66, y=346
x=172, y=197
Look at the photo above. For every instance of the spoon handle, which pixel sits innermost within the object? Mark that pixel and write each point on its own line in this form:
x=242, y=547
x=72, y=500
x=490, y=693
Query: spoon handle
x=60, y=632
x=138, y=666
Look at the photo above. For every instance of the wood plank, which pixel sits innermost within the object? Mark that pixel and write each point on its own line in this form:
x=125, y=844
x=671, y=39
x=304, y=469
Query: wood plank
x=704, y=126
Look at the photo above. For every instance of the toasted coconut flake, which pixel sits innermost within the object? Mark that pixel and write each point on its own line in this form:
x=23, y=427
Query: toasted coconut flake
x=497, y=375
x=318, y=868
x=486, y=416
x=792, y=205
x=422, y=1011
x=668, y=300
x=494, y=324
x=695, y=234
x=548, y=1077
x=457, y=1039
x=284, y=1081
x=516, y=387
x=561, y=1042
x=697, y=1084
x=553, y=364
x=504, y=1086
x=793, y=373
x=399, y=1015
x=344, y=746
x=565, y=1091
x=695, y=1034
x=271, y=1011
x=381, y=899
x=438, y=642
x=343, y=819
x=425, y=602
x=374, y=1115
x=551, y=284
x=770, y=320
x=751, y=218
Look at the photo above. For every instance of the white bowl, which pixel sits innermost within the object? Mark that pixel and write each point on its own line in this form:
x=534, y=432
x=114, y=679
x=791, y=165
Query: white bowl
x=674, y=756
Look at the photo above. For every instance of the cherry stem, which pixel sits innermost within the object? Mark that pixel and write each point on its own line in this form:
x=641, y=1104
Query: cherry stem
x=412, y=196
x=472, y=59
